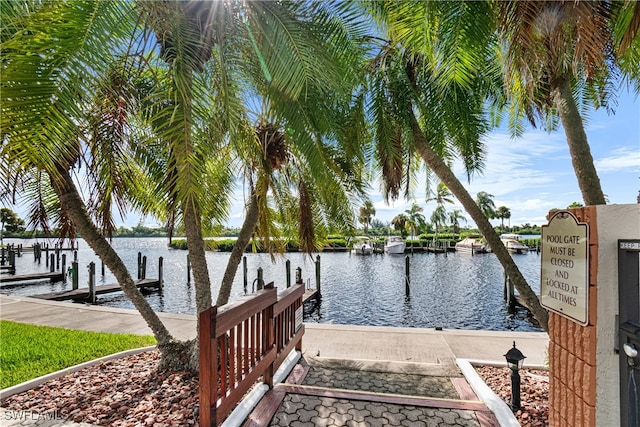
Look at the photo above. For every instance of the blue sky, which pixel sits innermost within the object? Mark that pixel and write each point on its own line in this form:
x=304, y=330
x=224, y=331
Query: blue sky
x=533, y=174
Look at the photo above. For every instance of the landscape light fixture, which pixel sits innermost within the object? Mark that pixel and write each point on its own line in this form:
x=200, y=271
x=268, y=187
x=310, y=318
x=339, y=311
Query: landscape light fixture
x=515, y=360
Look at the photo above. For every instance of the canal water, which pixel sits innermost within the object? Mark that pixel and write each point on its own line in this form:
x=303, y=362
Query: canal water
x=454, y=291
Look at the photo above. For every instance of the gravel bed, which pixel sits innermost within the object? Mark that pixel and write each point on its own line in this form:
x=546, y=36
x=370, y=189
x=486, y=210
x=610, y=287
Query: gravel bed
x=132, y=391
x=534, y=392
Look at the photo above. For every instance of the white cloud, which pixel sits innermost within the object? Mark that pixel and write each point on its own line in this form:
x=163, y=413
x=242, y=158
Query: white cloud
x=619, y=159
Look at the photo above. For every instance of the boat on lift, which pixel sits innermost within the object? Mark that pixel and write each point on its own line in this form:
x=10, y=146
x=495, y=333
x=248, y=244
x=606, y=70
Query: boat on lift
x=362, y=247
x=394, y=245
x=513, y=244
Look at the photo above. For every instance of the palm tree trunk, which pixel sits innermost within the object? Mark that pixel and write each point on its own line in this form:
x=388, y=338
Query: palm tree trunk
x=73, y=205
x=197, y=257
x=248, y=226
x=581, y=157
x=445, y=174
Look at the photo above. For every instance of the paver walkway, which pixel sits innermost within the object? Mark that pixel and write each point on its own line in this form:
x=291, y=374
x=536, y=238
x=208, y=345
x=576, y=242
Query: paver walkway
x=321, y=393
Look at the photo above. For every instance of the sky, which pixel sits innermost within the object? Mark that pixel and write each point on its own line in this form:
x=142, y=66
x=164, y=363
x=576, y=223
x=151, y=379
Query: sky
x=530, y=175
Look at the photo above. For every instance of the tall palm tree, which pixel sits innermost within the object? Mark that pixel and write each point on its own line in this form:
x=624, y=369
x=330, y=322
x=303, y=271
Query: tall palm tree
x=486, y=204
x=560, y=51
x=367, y=211
x=399, y=223
x=503, y=213
x=46, y=125
x=441, y=196
x=455, y=217
x=45, y=121
x=424, y=88
x=415, y=219
x=439, y=216
x=438, y=219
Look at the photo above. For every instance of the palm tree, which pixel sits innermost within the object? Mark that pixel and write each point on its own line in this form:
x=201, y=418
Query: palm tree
x=415, y=219
x=578, y=48
x=441, y=196
x=455, y=217
x=425, y=98
x=438, y=219
x=439, y=215
x=48, y=128
x=503, y=213
x=367, y=211
x=399, y=223
x=485, y=202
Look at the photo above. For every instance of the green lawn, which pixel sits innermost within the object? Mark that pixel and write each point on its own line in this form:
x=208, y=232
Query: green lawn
x=29, y=351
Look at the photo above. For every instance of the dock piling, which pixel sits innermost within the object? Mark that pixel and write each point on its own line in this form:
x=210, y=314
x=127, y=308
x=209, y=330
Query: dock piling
x=407, y=275
x=245, y=280
x=64, y=266
x=74, y=274
x=298, y=275
x=509, y=292
x=188, y=270
x=52, y=263
x=12, y=261
x=260, y=279
x=287, y=267
x=160, y=274
x=144, y=267
x=318, y=273
x=92, y=282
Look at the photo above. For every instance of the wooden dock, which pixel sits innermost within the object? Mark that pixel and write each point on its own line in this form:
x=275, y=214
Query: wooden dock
x=83, y=294
x=308, y=294
x=53, y=276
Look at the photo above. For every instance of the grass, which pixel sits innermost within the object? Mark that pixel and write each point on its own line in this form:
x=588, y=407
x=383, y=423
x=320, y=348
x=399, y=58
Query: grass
x=29, y=351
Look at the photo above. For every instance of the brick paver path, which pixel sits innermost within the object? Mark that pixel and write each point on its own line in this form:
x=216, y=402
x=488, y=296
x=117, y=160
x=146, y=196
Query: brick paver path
x=335, y=396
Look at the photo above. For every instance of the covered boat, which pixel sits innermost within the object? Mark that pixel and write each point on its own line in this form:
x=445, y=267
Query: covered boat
x=471, y=245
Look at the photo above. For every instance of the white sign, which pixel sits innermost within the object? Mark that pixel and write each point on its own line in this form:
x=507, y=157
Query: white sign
x=564, y=283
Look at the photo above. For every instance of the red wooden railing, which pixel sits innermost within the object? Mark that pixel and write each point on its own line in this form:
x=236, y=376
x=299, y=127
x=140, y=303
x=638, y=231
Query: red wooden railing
x=242, y=342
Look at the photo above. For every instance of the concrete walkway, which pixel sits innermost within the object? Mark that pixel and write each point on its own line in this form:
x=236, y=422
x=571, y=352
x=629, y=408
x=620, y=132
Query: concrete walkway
x=332, y=349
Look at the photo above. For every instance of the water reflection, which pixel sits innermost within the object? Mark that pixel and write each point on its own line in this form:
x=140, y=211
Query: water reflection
x=453, y=291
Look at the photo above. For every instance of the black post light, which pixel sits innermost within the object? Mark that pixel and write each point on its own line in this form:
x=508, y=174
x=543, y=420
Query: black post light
x=515, y=360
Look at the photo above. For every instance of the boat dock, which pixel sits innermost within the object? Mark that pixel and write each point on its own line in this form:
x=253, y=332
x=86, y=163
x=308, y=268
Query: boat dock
x=54, y=276
x=85, y=293
x=309, y=293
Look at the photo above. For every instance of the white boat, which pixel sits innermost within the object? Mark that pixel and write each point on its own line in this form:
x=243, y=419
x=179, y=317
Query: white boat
x=394, y=245
x=471, y=245
x=513, y=244
x=362, y=247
